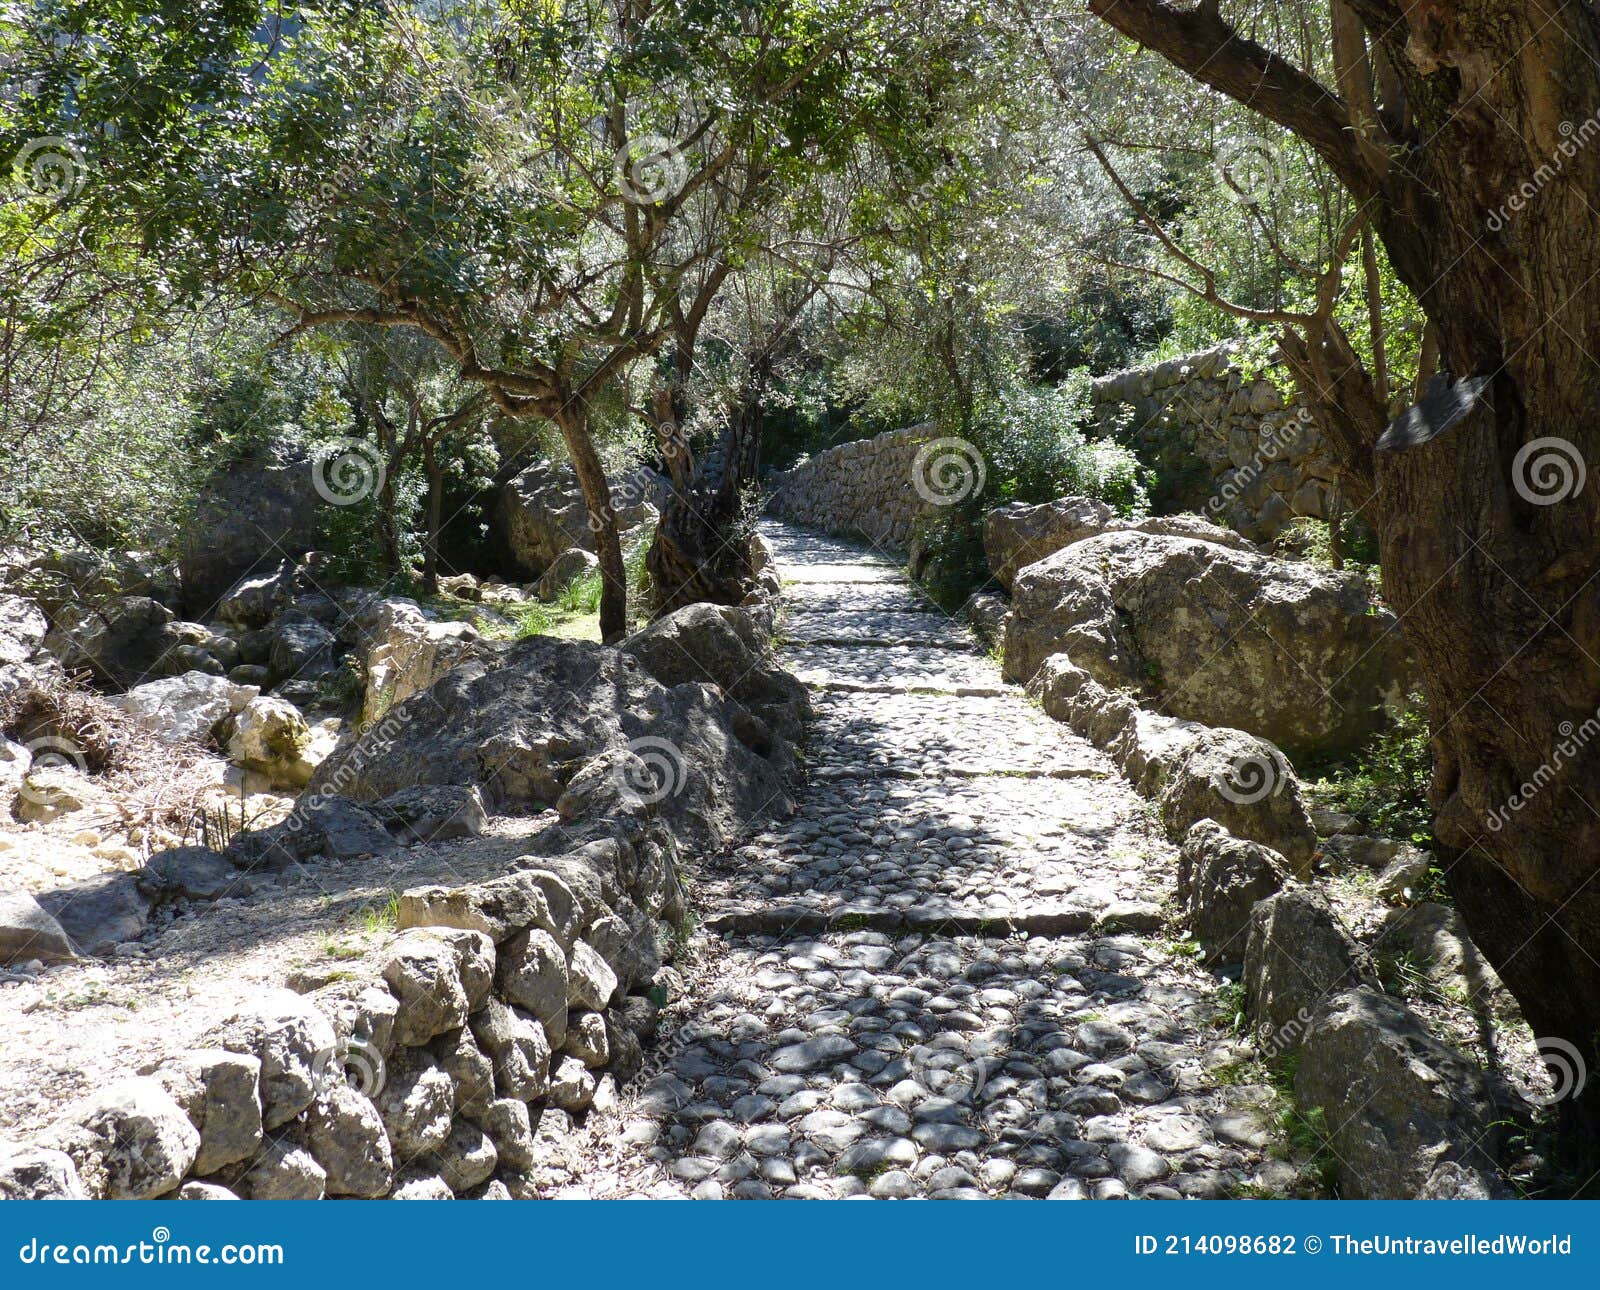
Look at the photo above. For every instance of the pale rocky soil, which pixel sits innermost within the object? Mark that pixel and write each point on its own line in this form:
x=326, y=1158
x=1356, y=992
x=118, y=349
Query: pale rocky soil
x=77, y=1026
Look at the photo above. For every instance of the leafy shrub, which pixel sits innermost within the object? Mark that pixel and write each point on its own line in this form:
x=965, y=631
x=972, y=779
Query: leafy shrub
x=1033, y=441
x=1386, y=782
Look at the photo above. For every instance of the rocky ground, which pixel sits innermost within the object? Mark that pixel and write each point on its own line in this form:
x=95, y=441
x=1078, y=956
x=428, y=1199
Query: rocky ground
x=947, y=974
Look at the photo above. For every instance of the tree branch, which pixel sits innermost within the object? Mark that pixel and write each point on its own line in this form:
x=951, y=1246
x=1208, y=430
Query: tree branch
x=1200, y=43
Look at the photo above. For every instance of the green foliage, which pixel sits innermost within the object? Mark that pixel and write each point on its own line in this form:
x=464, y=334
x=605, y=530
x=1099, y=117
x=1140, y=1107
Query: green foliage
x=1033, y=442
x=1386, y=782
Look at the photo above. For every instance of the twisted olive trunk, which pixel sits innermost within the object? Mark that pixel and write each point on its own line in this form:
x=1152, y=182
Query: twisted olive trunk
x=574, y=426
x=1483, y=183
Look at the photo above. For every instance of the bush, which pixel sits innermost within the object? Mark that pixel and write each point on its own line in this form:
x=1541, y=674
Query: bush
x=1033, y=440
x=1386, y=782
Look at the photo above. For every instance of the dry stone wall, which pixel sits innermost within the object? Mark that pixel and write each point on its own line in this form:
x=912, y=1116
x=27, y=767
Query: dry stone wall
x=1223, y=444
x=865, y=488
x=500, y=1007
x=450, y=1065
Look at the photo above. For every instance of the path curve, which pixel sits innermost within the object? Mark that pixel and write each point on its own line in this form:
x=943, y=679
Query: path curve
x=948, y=974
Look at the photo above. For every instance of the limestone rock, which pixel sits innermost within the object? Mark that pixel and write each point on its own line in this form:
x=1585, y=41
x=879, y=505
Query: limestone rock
x=205, y=1191
x=434, y=812
x=534, y=975
x=220, y=1092
x=100, y=913
x=346, y=1135
x=591, y=982
x=191, y=873
x=134, y=1140
x=416, y=1104
x=283, y=1171
x=22, y=630
x=509, y=1126
x=190, y=707
x=1398, y=1104
x=408, y=653
x=424, y=973
x=1297, y=955
x=292, y=1040
x=570, y=565
x=518, y=1046
x=1017, y=535
x=501, y=908
x=722, y=646
x=119, y=641
x=541, y=513
x=250, y=514
x=1247, y=786
x=519, y=731
x=37, y=1173
x=467, y=1157
x=28, y=932
x=270, y=736
x=415, y=1184
x=469, y=1068
x=1287, y=651
x=1220, y=879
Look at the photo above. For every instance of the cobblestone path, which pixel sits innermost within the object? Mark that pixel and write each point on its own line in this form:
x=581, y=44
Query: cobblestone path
x=947, y=975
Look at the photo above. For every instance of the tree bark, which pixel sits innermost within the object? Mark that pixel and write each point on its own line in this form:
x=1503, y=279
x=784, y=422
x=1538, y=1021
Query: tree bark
x=573, y=422
x=430, y=549
x=1491, y=542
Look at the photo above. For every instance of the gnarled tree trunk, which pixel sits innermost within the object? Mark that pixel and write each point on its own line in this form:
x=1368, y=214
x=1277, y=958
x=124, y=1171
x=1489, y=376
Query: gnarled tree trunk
x=701, y=550
x=586, y=463
x=1485, y=192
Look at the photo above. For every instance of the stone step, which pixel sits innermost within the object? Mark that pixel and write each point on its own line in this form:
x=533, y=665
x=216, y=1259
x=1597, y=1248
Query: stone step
x=1031, y=919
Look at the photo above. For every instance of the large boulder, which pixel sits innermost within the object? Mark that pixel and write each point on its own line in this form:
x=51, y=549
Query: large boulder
x=521, y=726
x=407, y=653
x=1297, y=956
x=1399, y=1106
x=270, y=736
x=1244, y=784
x=722, y=646
x=250, y=515
x=185, y=709
x=1017, y=535
x=1288, y=651
x=571, y=564
x=131, y=1141
x=22, y=630
x=119, y=641
x=28, y=932
x=541, y=512
x=1220, y=879
x=100, y=913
